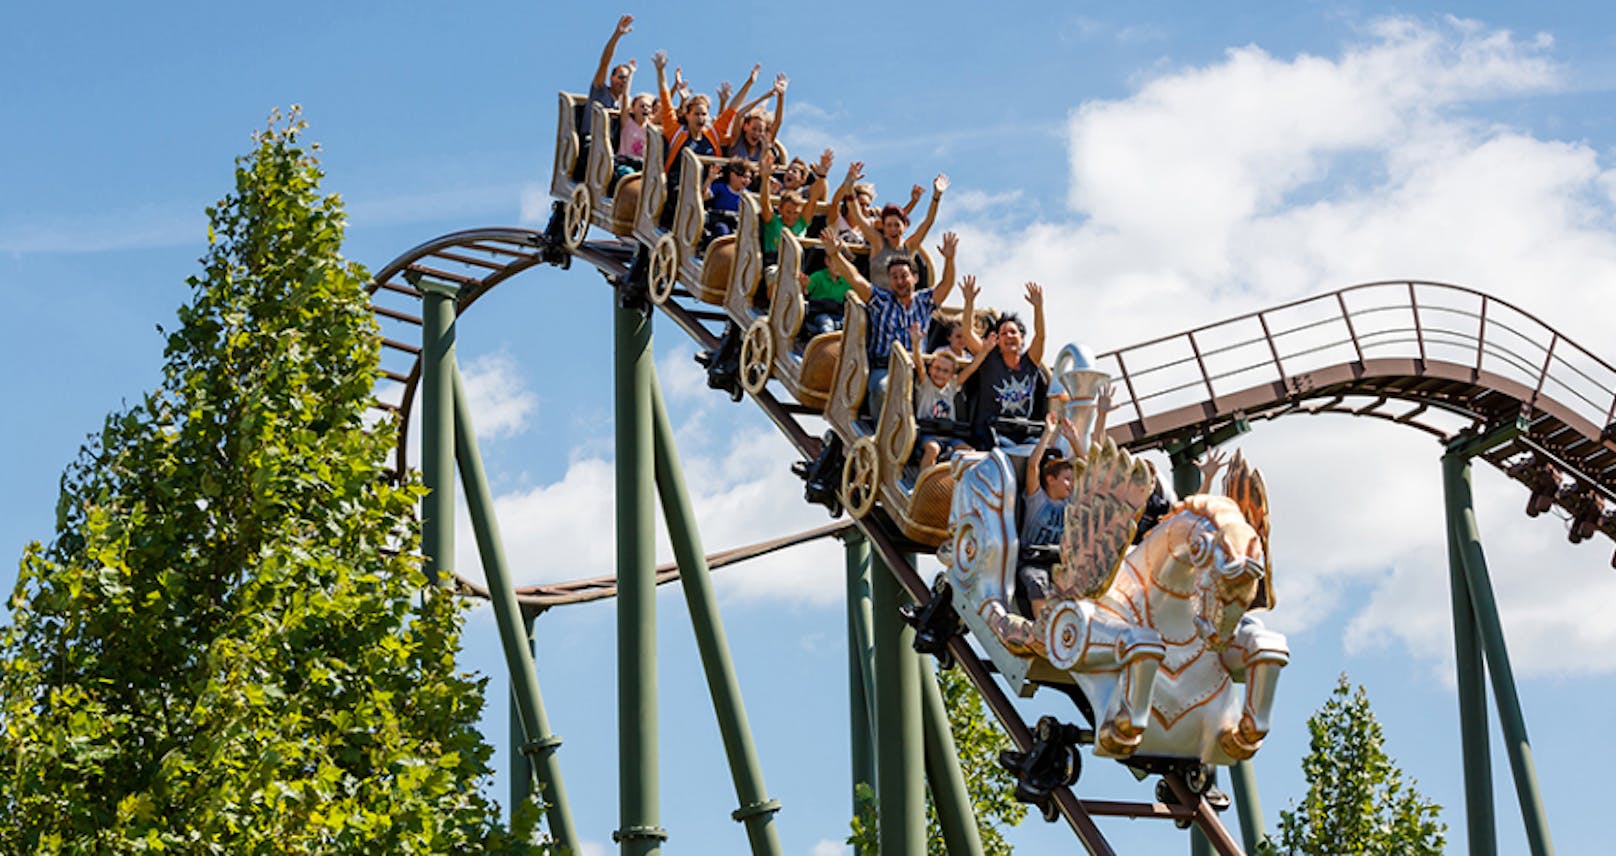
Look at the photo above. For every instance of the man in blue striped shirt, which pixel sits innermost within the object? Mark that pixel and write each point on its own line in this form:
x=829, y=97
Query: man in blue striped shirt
x=893, y=311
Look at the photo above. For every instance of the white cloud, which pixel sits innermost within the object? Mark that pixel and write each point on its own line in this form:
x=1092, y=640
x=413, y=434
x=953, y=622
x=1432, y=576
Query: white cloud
x=1214, y=191
x=829, y=847
x=139, y=228
x=501, y=404
x=460, y=202
x=535, y=204
x=972, y=201
x=742, y=489
x=1255, y=180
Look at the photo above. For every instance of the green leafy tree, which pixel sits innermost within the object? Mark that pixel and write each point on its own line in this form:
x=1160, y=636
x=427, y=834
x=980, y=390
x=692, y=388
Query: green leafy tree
x=978, y=740
x=229, y=645
x=1357, y=801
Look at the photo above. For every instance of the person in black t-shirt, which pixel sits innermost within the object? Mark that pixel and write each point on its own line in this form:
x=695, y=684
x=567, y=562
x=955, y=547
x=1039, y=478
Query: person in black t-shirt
x=1011, y=383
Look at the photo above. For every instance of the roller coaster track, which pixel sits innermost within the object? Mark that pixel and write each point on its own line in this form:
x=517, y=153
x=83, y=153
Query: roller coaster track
x=1439, y=358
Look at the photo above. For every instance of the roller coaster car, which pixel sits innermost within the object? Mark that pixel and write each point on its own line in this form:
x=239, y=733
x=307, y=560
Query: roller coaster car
x=771, y=347
x=567, y=178
x=876, y=466
x=674, y=250
x=1156, y=637
x=585, y=169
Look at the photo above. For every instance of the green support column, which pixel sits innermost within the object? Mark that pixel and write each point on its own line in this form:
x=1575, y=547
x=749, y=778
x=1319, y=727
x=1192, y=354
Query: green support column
x=1186, y=475
x=1242, y=776
x=955, y=815
x=1247, y=805
x=899, y=757
x=1473, y=742
x=521, y=782
x=640, y=831
x=538, y=743
x=756, y=810
x=860, y=663
x=437, y=426
x=1466, y=540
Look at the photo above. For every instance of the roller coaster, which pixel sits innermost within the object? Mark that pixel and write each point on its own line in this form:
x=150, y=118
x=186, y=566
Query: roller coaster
x=1485, y=378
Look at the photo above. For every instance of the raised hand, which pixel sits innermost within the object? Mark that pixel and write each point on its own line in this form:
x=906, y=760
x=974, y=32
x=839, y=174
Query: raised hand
x=855, y=171
x=633, y=66
x=802, y=280
x=950, y=244
x=1068, y=429
x=1035, y=294
x=766, y=163
x=914, y=335
x=1103, y=401
x=827, y=159
x=712, y=172
x=1215, y=460
x=915, y=193
x=780, y=83
x=939, y=184
x=969, y=289
x=660, y=60
x=756, y=69
x=625, y=25
x=725, y=90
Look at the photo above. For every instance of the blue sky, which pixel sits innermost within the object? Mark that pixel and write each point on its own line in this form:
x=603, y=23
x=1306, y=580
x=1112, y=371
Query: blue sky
x=1155, y=167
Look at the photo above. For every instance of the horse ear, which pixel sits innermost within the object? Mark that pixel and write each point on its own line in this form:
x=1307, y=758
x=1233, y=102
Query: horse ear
x=1244, y=485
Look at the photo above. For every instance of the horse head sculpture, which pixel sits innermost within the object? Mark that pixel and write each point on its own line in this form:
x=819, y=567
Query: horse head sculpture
x=1156, y=635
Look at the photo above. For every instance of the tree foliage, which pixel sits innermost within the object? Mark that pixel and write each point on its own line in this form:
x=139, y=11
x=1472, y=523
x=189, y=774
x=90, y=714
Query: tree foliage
x=978, y=740
x=1357, y=801
x=229, y=646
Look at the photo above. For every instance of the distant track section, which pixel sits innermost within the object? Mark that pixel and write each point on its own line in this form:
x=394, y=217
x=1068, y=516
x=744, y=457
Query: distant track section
x=1439, y=358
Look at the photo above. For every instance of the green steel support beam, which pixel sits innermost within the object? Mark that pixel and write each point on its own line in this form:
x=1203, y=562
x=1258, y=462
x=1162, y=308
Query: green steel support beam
x=900, y=759
x=860, y=663
x=538, y=743
x=640, y=832
x=1247, y=805
x=961, y=837
x=1182, y=453
x=1242, y=776
x=1473, y=742
x=1467, y=540
x=521, y=780
x=437, y=427
x=756, y=810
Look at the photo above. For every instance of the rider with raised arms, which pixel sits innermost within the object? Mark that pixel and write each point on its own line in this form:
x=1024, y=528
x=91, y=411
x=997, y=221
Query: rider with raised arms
x=892, y=310
x=1010, y=382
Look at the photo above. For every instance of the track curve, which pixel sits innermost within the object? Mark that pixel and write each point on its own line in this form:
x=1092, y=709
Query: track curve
x=1458, y=360
x=1439, y=358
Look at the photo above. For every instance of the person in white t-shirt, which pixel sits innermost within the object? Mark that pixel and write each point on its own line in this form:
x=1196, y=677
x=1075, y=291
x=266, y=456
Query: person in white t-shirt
x=937, y=385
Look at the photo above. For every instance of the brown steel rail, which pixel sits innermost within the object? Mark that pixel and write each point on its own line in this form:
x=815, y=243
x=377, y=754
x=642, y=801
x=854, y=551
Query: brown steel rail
x=469, y=253
x=544, y=596
x=1317, y=355
x=1458, y=358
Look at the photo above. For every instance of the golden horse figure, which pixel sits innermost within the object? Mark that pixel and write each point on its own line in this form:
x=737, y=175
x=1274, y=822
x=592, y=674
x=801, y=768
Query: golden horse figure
x=1157, y=636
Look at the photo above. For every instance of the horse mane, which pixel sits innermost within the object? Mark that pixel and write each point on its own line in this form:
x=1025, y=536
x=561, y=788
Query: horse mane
x=1219, y=510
